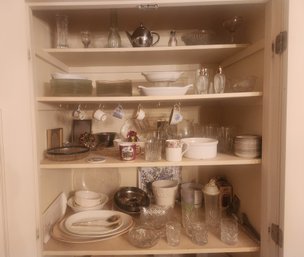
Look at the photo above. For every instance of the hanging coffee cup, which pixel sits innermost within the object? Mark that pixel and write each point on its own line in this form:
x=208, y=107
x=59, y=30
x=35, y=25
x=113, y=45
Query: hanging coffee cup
x=175, y=116
x=118, y=112
x=140, y=114
x=78, y=113
x=99, y=114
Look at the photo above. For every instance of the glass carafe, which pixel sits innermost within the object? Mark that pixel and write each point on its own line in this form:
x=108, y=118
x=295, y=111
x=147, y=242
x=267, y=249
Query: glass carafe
x=114, y=39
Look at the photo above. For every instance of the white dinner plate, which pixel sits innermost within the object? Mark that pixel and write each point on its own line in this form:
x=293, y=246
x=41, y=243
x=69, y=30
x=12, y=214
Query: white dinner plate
x=94, y=215
x=61, y=235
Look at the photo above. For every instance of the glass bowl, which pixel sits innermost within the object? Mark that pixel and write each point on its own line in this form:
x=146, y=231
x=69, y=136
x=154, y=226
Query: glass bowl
x=143, y=237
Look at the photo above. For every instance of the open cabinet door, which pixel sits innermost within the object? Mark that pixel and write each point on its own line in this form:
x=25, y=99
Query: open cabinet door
x=17, y=172
x=273, y=130
x=293, y=225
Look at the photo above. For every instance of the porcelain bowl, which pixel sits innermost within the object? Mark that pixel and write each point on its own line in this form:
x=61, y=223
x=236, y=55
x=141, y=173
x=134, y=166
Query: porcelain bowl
x=86, y=198
x=162, y=76
x=200, y=147
x=166, y=91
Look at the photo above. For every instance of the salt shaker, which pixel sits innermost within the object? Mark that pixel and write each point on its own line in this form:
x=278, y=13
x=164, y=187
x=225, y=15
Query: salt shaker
x=202, y=82
x=172, y=40
x=219, y=81
x=212, y=210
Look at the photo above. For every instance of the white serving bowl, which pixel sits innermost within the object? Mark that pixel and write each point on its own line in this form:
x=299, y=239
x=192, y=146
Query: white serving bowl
x=200, y=147
x=162, y=76
x=86, y=198
x=165, y=192
x=166, y=91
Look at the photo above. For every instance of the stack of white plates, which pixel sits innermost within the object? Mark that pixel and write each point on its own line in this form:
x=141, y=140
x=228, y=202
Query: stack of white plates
x=248, y=146
x=92, y=226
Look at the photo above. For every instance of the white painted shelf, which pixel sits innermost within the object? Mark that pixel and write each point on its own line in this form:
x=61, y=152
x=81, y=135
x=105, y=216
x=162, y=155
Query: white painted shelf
x=182, y=98
x=114, y=162
x=121, y=246
x=160, y=55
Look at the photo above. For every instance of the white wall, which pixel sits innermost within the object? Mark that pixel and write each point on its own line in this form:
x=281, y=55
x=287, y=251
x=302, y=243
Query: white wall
x=17, y=184
x=294, y=177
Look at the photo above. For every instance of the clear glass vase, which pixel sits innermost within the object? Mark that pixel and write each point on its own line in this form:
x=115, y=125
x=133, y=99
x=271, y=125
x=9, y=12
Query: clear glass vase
x=114, y=39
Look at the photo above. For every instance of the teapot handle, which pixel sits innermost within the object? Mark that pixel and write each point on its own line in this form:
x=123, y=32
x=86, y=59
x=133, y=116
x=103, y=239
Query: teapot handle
x=152, y=32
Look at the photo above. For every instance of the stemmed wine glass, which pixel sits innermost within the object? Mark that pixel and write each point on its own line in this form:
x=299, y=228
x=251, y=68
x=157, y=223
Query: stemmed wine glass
x=232, y=25
x=85, y=38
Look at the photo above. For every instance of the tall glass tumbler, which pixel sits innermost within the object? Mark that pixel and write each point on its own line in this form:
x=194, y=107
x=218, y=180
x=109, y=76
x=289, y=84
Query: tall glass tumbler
x=191, y=200
x=61, y=31
x=153, y=149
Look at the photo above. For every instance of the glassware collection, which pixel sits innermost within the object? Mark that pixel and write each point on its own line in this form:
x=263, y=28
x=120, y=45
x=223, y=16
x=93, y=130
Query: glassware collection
x=143, y=37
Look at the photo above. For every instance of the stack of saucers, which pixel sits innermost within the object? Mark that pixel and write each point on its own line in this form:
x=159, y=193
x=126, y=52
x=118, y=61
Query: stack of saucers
x=248, y=146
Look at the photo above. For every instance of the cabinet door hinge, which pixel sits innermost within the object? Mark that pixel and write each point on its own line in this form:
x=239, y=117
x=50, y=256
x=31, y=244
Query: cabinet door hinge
x=37, y=233
x=280, y=44
x=29, y=56
x=276, y=234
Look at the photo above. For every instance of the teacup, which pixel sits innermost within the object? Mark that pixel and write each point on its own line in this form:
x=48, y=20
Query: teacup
x=140, y=114
x=118, y=112
x=175, y=150
x=175, y=116
x=79, y=114
x=100, y=115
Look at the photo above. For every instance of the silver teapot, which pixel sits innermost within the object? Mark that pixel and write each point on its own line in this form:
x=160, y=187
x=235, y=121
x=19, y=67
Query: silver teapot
x=142, y=37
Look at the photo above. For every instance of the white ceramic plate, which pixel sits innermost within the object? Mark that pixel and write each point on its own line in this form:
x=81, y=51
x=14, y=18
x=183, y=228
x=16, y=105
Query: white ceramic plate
x=166, y=91
x=77, y=208
x=106, y=181
x=67, y=76
x=161, y=76
x=93, y=215
x=61, y=234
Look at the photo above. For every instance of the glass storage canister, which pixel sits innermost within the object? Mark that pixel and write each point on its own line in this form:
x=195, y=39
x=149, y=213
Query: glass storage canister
x=211, y=198
x=153, y=148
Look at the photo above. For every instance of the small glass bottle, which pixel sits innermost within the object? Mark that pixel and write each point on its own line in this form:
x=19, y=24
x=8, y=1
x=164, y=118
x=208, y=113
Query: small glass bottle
x=172, y=40
x=114, y=39
x=211, y=198
x=202, y=82
x=219, y=81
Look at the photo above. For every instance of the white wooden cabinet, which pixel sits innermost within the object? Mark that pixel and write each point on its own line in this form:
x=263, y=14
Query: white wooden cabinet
x=257, y=182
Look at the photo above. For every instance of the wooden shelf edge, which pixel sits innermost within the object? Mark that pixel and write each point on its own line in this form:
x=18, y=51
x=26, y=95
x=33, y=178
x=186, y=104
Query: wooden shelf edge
x=144, y=49
x=96, y=99
x=111, y=162
x=121, y=246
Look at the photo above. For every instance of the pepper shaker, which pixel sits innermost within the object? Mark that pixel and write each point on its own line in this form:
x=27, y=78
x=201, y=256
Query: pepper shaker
x=172, y=40
x=219, y=81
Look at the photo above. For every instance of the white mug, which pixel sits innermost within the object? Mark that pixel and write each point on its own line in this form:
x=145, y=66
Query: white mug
x=175, y=150
x=175, y=116
x=100, y=115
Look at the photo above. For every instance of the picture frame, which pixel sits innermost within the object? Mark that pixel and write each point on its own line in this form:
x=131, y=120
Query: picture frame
x=54, y=137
